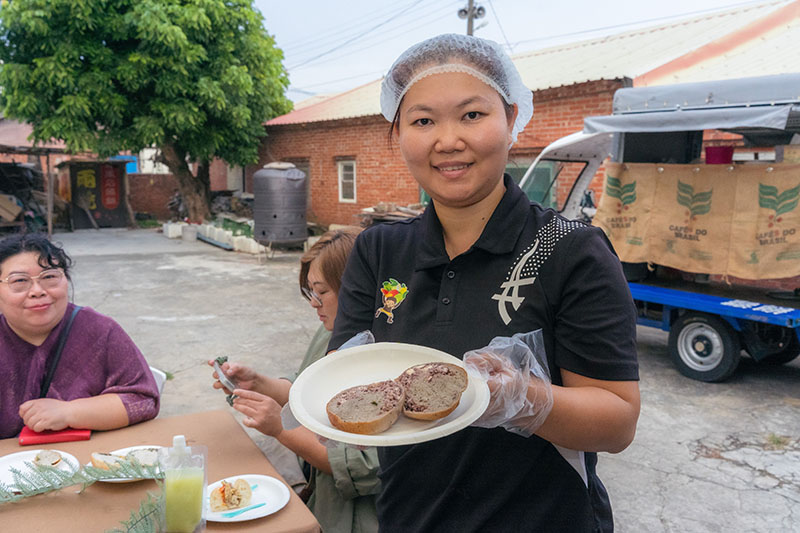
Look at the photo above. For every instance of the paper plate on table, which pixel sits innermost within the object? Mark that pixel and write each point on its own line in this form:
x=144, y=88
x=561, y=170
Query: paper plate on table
x=266, y=490
x=369, y=363
x=68, y=463
x=122, y=452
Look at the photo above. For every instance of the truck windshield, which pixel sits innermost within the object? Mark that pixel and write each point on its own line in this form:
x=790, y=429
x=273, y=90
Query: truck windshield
x=551, y=182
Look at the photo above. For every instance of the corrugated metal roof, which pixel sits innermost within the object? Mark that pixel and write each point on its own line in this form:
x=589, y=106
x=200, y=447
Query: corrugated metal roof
x=359, y=102
x=772, y=54
x=630, y=54
x=633, y=53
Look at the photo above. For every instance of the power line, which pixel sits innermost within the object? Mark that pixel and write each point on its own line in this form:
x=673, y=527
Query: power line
x=494, y=12
x=356, y=76
x=387, y=36
x=357, y=37
x=642, y=22
x=339, y=32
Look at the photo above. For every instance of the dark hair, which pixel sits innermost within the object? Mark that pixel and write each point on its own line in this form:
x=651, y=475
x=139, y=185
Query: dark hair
x=332, y=250
x=51, y=255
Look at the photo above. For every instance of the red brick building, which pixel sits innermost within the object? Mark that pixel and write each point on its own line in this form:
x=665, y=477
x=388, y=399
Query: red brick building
x=342, y=141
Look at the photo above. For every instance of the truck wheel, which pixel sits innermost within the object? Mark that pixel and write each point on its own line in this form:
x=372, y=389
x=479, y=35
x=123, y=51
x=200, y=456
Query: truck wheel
x=786, y=355
x=704, y=347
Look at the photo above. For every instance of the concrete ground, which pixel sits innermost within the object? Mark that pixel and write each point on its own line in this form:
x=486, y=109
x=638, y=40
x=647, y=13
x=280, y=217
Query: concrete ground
x=706, y=458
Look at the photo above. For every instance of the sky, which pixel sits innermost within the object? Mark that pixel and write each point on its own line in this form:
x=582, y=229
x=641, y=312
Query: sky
x=332, y=46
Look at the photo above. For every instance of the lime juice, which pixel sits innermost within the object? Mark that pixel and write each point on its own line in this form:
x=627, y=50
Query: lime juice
x=184, y=499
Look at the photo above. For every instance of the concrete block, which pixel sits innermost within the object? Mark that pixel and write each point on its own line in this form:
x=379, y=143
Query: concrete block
x=173, y=230
x=240, y=244
x=204, y=229
x=224, y=236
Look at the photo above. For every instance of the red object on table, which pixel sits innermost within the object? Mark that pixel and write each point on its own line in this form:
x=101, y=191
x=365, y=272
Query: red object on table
x=27, y=436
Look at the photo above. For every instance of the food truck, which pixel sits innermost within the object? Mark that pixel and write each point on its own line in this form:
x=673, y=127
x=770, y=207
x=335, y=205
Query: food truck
x=697, y=187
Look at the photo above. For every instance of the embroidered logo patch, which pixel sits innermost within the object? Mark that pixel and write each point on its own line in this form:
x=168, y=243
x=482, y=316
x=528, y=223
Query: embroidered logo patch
x=393, y=293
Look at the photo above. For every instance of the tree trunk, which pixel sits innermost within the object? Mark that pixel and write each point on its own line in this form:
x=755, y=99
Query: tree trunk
x=196, y=191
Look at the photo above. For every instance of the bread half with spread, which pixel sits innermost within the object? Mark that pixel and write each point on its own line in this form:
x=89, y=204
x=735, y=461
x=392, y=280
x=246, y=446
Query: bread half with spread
x=367, y=409
x=433, y=390
x=107, y=461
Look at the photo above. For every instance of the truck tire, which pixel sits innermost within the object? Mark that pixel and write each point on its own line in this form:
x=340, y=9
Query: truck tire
x=704, y=347
x=787, y=355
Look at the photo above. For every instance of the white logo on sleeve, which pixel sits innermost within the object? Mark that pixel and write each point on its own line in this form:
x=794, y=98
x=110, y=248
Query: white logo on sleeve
x=526, y=267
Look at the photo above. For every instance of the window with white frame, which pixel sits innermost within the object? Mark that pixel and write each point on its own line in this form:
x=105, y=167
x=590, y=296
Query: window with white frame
x=347, y=181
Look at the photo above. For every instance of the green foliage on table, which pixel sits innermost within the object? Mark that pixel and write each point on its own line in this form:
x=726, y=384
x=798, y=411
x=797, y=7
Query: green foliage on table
x=196, y=78
x=149, y=518
x=35, y=479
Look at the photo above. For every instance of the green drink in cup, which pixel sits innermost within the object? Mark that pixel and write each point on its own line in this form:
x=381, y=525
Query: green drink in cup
x=185, y=483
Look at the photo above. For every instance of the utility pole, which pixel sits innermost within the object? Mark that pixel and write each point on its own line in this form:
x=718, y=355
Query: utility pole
x=471, y=12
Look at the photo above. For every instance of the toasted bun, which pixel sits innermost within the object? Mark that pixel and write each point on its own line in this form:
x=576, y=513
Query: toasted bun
x=106, y=461
x=231, y=495
x=366, y=409
x=433, y=390
x=47, y=458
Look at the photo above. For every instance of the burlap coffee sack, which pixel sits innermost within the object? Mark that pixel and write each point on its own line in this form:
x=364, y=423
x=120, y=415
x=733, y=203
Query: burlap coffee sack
x=691, y=221
x=625, y=208
x=766, y=222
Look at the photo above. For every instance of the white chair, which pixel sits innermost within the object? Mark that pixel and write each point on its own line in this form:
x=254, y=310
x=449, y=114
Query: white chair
x=160, y=376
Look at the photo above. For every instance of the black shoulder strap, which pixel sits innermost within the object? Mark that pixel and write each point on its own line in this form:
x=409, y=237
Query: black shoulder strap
x=62, y=339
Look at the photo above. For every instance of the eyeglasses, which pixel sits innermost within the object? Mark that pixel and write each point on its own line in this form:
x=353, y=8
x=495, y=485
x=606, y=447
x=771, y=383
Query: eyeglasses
x=48, y=279
x=310, y=295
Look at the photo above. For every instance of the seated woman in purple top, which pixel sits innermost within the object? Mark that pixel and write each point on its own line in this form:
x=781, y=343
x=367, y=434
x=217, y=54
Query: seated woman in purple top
x=102, y=381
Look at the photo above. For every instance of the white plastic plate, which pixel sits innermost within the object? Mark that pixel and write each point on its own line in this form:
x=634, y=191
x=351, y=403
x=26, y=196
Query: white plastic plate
x=268, y=490
x=369, y=363
x=123, y=452
x=68, y=463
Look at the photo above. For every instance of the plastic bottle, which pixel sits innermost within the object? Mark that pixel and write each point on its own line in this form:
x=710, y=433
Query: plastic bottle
x=185, y=483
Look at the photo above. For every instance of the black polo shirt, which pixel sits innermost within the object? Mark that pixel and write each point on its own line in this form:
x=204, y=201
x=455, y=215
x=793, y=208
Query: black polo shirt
x=530, y=269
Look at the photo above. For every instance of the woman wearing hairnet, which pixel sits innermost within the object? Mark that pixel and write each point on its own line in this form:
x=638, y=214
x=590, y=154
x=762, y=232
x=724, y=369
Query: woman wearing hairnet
x=535, y=304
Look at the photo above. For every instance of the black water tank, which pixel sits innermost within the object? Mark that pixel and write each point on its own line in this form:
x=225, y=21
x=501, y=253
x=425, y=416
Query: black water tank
x=279, y=204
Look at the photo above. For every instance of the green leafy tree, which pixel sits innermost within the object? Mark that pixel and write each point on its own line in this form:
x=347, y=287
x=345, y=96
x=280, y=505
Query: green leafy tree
x=196, y=78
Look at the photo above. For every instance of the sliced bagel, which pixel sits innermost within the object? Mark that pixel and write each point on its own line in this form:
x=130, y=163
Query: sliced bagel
x=433, y=390
x=366, y=409
x=47, y=458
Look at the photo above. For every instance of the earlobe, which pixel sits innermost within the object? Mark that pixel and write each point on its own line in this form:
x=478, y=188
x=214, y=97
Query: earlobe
x=511, y=120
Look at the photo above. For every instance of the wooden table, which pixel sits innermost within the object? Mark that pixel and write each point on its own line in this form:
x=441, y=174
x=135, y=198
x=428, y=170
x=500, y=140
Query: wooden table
x=104, y=506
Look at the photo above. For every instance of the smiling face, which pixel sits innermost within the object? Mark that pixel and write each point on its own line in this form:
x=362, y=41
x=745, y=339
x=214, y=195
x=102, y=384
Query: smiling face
x=32, y=314
x=329, y=297
x=454, y=134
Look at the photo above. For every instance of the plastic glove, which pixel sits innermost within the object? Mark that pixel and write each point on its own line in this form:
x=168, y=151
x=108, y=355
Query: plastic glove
x=359, y=339
x=515, y=369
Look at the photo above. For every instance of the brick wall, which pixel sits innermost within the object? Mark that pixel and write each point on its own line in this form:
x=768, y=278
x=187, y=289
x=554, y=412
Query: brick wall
x=149, y=193
x=381, y=174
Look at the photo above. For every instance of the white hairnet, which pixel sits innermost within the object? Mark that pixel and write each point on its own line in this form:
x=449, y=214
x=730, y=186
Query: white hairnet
x=452, y=52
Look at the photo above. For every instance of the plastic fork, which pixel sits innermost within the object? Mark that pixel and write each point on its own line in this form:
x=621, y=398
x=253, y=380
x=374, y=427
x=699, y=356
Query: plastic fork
x=237, y=512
